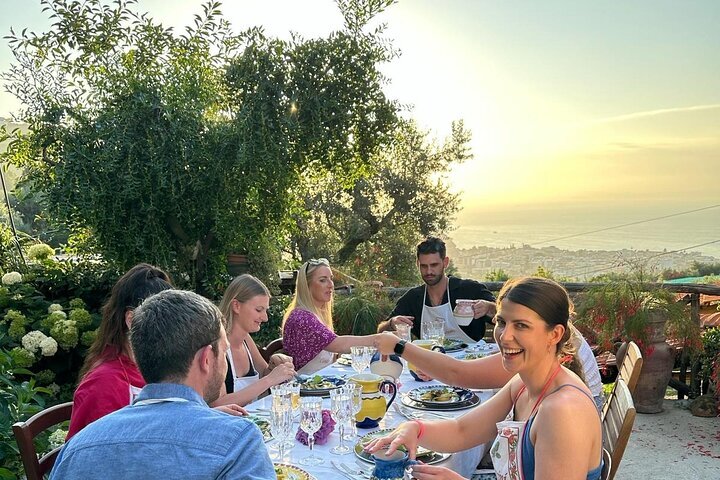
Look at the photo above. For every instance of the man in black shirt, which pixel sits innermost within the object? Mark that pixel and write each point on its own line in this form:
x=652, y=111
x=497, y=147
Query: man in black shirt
x=437, y=297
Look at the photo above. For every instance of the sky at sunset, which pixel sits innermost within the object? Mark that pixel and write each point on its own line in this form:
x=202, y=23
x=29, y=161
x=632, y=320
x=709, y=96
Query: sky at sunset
x=577, y=106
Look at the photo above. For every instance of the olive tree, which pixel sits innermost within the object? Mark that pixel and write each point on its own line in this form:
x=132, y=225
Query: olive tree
x=177, y=149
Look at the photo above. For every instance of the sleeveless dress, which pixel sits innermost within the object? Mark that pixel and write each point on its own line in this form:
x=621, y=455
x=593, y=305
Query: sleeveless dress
x=513, y=454
x=235, y=383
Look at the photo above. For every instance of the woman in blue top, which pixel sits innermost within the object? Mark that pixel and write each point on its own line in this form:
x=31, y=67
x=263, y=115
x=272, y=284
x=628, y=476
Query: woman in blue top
x=544, y=420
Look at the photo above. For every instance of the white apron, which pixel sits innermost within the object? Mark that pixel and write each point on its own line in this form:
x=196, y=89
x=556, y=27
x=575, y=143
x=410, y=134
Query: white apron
x=506, y=451
x=241, y=382
x=321, y=360
x=444, y=313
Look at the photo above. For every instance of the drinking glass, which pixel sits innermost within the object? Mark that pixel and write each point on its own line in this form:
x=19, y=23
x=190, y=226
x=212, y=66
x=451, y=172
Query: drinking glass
x=310, y=422
x=281, y=427
x=281, y=395
x=340, y=407
x=403, y=330
x=294, y=388
x=359, y=359
x=433, y=329
x=355, y=392
x=368, y=353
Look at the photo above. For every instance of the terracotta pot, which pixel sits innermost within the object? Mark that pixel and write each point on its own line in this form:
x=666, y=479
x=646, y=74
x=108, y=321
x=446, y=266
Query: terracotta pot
x=237, y=264
x=657, y=366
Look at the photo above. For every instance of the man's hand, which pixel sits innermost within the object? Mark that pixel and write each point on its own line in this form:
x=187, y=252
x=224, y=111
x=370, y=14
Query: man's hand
x=232, y=409
x=406, y=319
x=482, y=308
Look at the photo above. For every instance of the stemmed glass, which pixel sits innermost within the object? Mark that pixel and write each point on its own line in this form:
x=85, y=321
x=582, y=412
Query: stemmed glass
x=434, y=330
x=310, y=422
x=281, y=423
x=355, y=393
x=359, y=358
x=281, y=395
x=340, y=407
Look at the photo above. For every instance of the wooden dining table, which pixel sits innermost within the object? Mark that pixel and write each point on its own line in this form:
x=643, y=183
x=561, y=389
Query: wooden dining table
x=464, y=462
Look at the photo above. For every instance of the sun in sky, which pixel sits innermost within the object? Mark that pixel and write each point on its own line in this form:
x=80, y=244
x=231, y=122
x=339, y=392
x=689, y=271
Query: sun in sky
x=569, y=103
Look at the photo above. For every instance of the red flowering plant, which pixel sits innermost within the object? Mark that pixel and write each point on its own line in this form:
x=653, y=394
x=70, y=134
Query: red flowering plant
x=620, y=311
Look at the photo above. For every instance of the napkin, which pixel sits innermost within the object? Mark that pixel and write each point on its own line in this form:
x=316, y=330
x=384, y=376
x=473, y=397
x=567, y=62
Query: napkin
x=322, y=435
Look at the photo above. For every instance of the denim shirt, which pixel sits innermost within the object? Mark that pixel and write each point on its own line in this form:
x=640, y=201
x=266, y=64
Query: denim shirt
x=169, y=432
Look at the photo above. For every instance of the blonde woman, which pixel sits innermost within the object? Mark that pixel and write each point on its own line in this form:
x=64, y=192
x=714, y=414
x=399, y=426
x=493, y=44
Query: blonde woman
x=244, y=306
x=308, y=334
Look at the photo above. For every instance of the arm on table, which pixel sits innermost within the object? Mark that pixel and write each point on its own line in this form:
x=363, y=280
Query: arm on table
x=486, y=372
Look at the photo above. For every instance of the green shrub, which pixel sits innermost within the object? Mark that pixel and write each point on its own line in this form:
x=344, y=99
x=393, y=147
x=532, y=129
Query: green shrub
x=360, y=312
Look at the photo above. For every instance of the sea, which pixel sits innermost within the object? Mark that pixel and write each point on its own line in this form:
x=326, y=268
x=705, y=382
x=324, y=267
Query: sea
x=693, y=232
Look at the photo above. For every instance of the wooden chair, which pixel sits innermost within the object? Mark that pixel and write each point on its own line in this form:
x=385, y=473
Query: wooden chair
x=607, y=465
x=617, y=424
x=273, y=347
x=629, y=371
x=26, y=431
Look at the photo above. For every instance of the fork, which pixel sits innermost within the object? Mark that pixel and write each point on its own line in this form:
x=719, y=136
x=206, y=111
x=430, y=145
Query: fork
x=342, y=471
x=350, y=470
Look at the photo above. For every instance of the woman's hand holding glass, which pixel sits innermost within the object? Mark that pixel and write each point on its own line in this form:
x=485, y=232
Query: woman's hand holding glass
x=281, y=373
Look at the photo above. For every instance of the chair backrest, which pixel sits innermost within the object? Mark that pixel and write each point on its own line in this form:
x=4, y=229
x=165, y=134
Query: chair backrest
x=26, y=431
x=617, y=424
x=631, y=366
x=272, y=347
x=607, y=465
x=629, y=371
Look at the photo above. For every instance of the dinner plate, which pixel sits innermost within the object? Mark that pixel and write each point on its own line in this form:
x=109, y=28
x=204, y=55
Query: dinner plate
x=474, y=355
x=423, y=454
x=264, y=426
x=345, y=359
x=482, y=347
x=284, y=471
x=319, y=385
x=473, y=401
x=430, y=395
x=452, y=345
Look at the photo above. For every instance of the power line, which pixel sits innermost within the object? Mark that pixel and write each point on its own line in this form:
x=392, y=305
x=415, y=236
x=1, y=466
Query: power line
x=604, y=269
x=625, y=225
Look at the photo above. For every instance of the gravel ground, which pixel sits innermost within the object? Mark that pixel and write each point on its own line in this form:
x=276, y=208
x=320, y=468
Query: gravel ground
x=674, y=445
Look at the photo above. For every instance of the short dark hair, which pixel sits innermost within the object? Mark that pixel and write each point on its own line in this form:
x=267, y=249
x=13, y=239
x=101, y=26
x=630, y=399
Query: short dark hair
x=431, y=245
x=168, y=329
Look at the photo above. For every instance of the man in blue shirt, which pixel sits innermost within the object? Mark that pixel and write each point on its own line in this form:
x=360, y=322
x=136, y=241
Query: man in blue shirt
x=169, y=431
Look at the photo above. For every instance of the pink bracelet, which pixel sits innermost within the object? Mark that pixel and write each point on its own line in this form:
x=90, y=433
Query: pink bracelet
x=421, y=426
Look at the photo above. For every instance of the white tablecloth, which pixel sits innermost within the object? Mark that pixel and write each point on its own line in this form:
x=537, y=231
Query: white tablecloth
x=464, y=462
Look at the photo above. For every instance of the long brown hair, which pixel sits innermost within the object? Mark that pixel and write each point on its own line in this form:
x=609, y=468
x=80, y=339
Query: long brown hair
x=131, y=289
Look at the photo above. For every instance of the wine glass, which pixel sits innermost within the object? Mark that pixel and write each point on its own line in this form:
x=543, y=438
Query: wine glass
x=282, y=395
x=368, y=353
x=281, y=426
x=434, y=330
x=340, y=407
x=355, y=392
x=310, y=422
x=359, y=359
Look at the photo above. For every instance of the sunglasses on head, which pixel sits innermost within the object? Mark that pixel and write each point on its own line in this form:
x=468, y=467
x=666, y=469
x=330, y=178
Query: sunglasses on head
x=316, y=262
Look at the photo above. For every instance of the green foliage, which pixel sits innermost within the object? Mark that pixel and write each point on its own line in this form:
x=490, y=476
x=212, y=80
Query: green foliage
x=19, y=400
x=40, y=252
x=360, y=312
x=710, y=352
x=179, y=149
x=370, y=227
x=498, y=275
x=619, y=310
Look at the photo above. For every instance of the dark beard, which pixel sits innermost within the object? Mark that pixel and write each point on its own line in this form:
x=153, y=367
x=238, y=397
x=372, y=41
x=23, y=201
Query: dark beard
x=434, y=281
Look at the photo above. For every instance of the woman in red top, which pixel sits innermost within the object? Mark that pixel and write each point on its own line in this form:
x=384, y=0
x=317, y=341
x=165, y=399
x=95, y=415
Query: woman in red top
x=109, y=378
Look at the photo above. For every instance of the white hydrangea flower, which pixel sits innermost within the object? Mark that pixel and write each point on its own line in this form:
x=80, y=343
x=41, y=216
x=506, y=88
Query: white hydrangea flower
x=54, y=388
x=33, y=340
x=55, y=307
x=48, y=347
x=57, y=438
x=11, y=278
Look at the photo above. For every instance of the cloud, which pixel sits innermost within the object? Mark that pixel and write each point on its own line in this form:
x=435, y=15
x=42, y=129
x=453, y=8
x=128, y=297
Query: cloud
x=655, y=113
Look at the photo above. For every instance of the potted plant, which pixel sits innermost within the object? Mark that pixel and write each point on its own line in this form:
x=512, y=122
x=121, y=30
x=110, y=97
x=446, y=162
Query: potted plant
x=626, y=309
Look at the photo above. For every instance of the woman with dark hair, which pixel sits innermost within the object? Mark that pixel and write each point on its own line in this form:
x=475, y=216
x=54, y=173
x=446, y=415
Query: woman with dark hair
x=544, y=420
x=109, y=378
